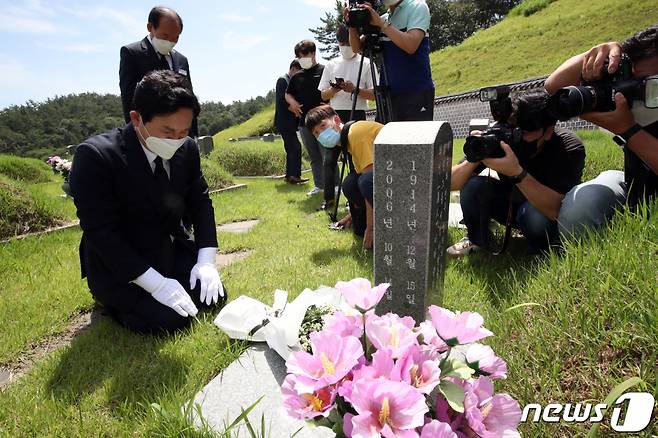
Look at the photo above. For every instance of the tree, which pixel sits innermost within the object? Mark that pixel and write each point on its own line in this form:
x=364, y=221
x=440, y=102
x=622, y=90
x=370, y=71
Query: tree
x=326, y=33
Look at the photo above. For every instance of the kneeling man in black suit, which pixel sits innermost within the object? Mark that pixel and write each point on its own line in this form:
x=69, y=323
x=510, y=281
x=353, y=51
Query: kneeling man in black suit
x=132, y=187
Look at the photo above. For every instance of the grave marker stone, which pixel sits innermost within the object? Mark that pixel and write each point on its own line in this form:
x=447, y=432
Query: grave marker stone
x=411, y=199
x=206, y=144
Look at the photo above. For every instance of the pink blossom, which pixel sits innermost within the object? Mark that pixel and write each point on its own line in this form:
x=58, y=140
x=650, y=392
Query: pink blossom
x=431, y=338
x=419, y=368
x=437, y=429
x=306, y=405
x=488, y=415
x=458, y=328
x=388, y=409
x=391, y=332
x=483, y=360
x=332, y=359
x=360, y=294
x=344, y=325
x=380, y=368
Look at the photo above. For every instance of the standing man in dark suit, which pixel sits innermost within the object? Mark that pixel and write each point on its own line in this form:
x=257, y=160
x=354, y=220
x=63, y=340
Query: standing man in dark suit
x=132, y=186
x=154, y=52
x=286, y=122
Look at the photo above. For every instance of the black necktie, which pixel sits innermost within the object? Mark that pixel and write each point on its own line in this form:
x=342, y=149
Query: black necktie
x=161, y=177
x=166, y=253
x=164, y=65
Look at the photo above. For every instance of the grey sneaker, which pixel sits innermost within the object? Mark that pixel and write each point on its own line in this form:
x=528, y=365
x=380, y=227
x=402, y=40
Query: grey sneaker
x=462, y=248
x=315, y=191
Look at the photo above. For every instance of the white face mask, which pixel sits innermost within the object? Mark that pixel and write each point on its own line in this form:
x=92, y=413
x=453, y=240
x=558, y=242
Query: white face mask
x=163, y=47
x=346, y=52
x=306, y=63
x=164, y=148
x=644, y=116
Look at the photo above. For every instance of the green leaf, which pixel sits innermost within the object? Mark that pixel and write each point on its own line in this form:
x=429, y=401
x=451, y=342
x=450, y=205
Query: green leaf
x=509, y=309
x=455, y=368
x=243, y=415
x=616, y=392
x=454, y=395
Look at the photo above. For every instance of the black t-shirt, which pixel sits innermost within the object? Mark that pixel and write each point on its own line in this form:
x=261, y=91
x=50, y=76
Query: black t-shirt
x=304, y=87
x=559, y=165
x=641, y=181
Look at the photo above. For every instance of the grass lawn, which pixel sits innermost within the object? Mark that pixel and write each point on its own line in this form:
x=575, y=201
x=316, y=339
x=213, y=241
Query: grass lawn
x=594, y=325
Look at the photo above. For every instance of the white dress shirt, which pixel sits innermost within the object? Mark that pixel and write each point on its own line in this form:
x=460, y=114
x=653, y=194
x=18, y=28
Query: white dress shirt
x=150, y=156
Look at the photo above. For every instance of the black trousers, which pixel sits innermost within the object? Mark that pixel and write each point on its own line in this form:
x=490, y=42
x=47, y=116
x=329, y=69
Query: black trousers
x=134, y=308
x=330, y=162
x=293, y=152
x=358, y=188
x=415, y=106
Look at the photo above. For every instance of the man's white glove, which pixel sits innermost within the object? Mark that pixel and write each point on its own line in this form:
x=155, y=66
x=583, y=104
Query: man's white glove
x=206, y=272
x=167, y=291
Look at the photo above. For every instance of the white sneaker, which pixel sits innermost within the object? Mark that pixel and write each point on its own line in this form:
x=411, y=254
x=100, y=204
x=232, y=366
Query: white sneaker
x=462, y=248
x=315, y=191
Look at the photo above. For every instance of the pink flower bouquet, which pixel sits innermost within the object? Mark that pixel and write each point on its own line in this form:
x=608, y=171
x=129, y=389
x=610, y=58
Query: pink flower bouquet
x=369, y=376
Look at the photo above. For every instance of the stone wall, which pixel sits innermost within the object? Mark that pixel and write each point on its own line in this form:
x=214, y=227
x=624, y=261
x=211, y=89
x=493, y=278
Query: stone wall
x=459, y=109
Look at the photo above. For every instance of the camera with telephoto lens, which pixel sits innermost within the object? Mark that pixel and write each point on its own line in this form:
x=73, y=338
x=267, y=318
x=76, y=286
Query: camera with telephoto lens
x=599, y=96
x=487, y=144
x=359, y=18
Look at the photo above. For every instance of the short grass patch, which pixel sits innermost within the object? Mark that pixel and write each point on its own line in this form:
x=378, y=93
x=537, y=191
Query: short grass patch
x=253, y=158
x=261, y=123
x=28, y=170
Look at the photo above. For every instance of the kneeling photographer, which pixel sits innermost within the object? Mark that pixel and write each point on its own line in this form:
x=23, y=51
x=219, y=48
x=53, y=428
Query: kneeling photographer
x=357, y=140
x=537, y=164
x=614, y=86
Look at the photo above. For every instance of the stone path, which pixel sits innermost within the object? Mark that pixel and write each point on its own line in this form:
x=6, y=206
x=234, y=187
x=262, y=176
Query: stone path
x=23, y=364
x=238, y=227
x=223, y=260
x=259, y=371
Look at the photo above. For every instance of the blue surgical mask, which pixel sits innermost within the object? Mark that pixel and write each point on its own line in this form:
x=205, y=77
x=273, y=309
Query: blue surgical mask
x=329, y=138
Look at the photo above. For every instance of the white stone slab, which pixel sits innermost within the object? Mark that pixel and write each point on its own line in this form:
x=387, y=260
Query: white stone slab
x=258, y=372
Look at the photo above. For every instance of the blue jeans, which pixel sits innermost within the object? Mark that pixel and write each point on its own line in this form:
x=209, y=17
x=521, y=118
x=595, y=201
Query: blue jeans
x=483, y=199
x=590, y=205
x=315, y=153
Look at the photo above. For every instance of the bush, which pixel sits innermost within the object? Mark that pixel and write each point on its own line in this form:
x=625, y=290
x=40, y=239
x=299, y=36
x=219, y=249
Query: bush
x=21, y=212
x=252, y=158
x=216, y=176
x=24, y=169
x=529, y=7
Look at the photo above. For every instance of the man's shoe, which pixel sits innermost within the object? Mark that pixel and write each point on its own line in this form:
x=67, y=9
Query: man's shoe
x=296, y=180
x=326, y=205
x=315, y=191
x=462, y=248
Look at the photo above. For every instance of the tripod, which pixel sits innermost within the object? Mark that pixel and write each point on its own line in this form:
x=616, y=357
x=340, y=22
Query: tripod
x=382, y=99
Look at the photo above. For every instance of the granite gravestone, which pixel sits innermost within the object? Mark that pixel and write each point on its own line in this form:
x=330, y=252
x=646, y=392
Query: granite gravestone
x=206, y=144
x=411, y=199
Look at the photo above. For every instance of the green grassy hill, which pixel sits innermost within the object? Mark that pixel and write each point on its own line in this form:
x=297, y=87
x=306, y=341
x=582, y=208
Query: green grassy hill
x=519, y=47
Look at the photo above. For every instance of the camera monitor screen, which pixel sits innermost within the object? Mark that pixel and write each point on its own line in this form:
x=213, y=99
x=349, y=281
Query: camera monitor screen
x=651, y=92
x=488, y=94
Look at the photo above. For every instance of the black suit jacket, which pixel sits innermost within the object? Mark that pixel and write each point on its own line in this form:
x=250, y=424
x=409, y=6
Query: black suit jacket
x=284, y=120
x=138, y=59
x=120, y=207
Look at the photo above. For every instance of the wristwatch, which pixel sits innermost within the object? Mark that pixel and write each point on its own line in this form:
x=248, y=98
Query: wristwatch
x=622, y=139
x=518, y=178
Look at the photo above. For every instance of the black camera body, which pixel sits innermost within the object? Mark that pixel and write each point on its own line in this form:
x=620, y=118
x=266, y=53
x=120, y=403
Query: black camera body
x=597, y=96
x=358, y=16
x=487, y=144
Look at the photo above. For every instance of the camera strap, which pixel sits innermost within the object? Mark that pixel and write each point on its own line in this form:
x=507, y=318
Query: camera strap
x=344, y=133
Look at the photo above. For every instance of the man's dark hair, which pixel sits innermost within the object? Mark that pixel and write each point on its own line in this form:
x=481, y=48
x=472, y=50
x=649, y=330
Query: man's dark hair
x=163, y=92
x=304, y=47
x=295, y=64
x=317, y=115
x=157, y=12
x=531, y=111
x=642, y=45
x=342, y=34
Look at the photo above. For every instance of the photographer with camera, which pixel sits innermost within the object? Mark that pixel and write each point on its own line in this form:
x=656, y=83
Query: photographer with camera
x=357, y=139
x=537, y=164
x=615, y=87
x=338, y=86
x=403, y=38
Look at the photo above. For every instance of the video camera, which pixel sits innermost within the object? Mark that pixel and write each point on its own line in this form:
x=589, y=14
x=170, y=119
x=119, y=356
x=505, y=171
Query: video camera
x=599, y=96
x=359, y=18
x=487, y=145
